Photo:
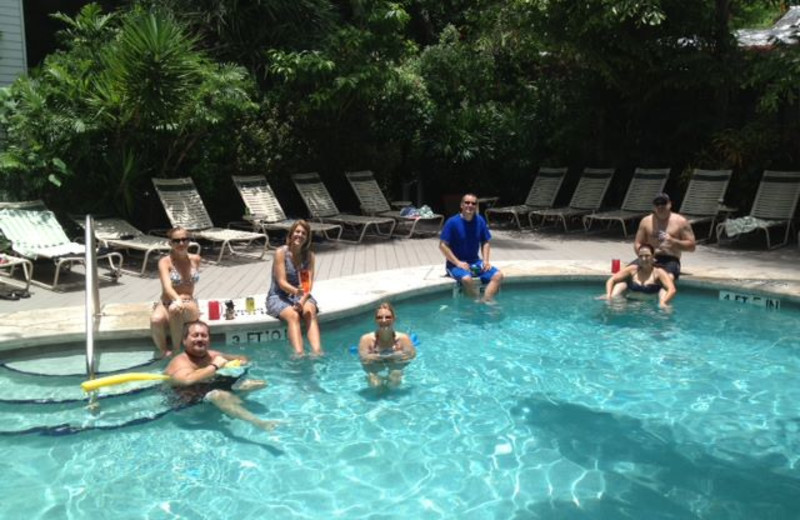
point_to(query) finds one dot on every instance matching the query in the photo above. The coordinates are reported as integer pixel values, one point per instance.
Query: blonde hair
(388, 307)
(175, 230)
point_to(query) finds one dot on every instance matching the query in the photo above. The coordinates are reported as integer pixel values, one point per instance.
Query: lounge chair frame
(542, 195)
(117, 233)
(775, 204)
(11, 263)
(265, 212)
(645, 185)
(704, 196)
(373, 202)
(587, 198)
(35, 233)
(322, 208)
(185, 208)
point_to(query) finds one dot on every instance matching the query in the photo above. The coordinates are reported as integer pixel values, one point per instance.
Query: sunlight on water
(548, 405)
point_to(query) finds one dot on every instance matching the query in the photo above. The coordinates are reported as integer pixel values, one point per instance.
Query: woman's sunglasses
(179, 240)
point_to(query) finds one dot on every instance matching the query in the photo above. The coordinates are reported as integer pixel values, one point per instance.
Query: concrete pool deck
(349, 278)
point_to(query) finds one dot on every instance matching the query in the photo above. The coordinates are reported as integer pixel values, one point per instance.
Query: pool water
(550, 404)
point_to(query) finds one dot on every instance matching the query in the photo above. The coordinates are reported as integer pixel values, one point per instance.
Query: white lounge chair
(185, 208)
(117, 233)
(587, 198)
(36, 233)
(374, 203)
(704, 195)
(542, 195)
(774, 205)
(322, 208)
(265, 212)
(645, 185)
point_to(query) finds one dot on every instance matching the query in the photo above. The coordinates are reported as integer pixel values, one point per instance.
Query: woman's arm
(311, 262)
(365, 349)
(668, 284)
(618, 277)
(407, 351)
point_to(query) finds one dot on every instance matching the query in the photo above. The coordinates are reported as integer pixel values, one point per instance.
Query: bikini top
(650, 288)
(177, 280)
(374, 349)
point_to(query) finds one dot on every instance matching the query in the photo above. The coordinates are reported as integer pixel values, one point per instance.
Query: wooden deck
(241, 276)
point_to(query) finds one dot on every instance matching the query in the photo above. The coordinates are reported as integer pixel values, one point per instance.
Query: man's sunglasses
(469, 203)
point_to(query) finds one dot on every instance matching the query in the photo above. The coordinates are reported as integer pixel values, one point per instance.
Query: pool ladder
(92, 314)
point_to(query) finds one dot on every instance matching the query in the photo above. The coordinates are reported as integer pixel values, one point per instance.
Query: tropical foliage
(466, 94)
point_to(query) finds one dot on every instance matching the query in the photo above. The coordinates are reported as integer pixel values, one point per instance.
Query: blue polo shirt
(465, 237)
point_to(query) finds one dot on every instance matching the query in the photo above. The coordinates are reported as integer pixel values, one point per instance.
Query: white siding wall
(13, 60)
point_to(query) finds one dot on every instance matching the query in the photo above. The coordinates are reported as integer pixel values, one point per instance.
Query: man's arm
(486, 251)
(183, 373)
(451, 257)
(641, 234)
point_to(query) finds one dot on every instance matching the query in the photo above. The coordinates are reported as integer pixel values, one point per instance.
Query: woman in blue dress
(288, 299)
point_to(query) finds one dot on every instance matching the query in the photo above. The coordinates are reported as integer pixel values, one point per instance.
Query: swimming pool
(550, 404)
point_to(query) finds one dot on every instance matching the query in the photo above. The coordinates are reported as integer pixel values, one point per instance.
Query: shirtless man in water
(670, 234)
(194, 376)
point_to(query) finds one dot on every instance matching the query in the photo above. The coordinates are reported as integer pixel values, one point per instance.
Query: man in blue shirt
(464, 240)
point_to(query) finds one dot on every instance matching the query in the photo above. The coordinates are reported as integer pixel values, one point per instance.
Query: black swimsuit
(650, 288)
(183, 396)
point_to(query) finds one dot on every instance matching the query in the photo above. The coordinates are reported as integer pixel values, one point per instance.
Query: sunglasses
(469, 203)
(383, 318)
(645, 257)
(180, 240)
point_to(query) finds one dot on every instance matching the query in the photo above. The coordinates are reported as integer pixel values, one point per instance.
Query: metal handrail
(92, 314)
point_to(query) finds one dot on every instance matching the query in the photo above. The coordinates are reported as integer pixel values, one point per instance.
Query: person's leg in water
(470, 287)
(395, 378)
(312, 328)
(493, 287)
(292, 319)
(159, 323)
(231, 405)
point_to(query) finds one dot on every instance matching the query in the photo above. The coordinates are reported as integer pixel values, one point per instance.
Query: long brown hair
(306, 247)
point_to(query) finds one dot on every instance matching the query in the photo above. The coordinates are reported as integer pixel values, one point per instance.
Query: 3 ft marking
(254, 337)
(750, 299)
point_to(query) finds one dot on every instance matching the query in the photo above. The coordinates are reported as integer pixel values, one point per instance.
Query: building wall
(13, 61)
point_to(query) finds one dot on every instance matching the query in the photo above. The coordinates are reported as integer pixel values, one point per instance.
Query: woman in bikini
(287, 299)
(385, 349)
(642, 279)
(179, 274)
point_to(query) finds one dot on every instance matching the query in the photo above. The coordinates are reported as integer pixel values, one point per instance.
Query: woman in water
(289, 295)
(179, 274)
(642, 279)
(385, 349)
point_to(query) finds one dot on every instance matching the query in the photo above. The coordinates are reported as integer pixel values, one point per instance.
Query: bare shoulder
(178, 363)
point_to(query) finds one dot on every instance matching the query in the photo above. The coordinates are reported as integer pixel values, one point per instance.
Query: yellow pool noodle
(118, 379)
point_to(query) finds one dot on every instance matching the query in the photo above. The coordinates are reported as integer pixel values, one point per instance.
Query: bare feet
(249, 385)
(266, 425)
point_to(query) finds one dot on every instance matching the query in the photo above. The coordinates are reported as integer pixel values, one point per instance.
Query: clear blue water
(548, 405)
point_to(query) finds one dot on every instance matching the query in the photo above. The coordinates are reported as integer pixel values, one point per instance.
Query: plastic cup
(250, 305)
(615, 265)
(213, 310)
(305, 280)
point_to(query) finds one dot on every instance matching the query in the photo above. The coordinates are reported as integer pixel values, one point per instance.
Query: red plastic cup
(615, 265)
(213, 310)
(305, 280)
